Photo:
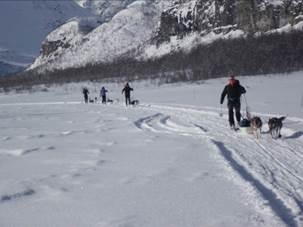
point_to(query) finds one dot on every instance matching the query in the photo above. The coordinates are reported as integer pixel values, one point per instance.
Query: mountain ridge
(203, 19)
(179, 39)
(26, 23)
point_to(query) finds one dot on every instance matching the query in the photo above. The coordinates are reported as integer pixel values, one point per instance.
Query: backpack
(245, 123)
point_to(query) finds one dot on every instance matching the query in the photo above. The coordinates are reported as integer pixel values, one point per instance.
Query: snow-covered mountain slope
(25, 24)
(152, 28)
(126, 30)
(105, 9)
(170, 161)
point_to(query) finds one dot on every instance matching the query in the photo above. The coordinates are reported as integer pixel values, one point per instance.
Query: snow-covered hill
(170, 161)
(78, 33)
(25, 24)
(69, 21)
(153, 28)
(126, 30)
(105, 9)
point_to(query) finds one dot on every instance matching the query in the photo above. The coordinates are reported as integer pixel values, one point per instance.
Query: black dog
(110, 101)
(275, 125)
(94, 100)
(134, 102)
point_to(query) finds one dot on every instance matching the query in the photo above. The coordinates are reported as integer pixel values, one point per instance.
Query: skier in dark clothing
(103, 92)
(233, 91)
(126, 90)
(85, 93)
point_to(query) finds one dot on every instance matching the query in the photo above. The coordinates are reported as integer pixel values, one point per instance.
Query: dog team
(233, 90)
(126, 90)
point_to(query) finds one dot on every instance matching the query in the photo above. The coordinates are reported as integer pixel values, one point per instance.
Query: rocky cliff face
(250, 16)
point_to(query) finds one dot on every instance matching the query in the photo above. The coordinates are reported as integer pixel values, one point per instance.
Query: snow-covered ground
(170, 161)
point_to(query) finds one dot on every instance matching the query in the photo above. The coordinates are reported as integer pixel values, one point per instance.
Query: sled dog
(256, 126)
(134, 102)
(110, 101)
(275, 125)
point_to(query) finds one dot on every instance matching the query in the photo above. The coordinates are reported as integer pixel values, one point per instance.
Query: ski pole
(245, 100)
(221, 111)
(248, 115)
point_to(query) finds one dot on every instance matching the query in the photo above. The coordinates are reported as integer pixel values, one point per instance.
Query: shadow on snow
(274, 202)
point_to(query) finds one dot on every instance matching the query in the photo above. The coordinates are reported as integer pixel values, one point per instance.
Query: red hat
(232, 81)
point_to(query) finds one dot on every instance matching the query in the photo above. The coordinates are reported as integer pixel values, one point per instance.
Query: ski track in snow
(266, 163)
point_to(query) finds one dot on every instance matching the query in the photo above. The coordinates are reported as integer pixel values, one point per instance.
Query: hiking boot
(238, 125)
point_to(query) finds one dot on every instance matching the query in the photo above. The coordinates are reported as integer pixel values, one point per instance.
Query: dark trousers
(86, 98)
(127, 100)
(103, 99)
(231, 108)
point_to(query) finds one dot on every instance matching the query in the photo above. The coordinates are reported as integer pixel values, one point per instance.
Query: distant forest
(273, 53)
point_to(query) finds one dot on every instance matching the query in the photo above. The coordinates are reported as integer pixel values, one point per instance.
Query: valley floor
(170, 161)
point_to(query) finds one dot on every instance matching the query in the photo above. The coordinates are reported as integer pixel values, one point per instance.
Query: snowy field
(171, 161)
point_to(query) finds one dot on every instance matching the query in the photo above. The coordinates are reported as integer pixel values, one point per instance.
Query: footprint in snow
(39, 136)
(5, 138)
(48, 148)
(106, 144)
(27, 151)
(199, 176)
(100, 162)
(18, 152)
(66, 133)
(127, 180)
(122, 118)
(18, 195)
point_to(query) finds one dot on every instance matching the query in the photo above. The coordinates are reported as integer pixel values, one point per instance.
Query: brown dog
(275, 125)
(256, 126)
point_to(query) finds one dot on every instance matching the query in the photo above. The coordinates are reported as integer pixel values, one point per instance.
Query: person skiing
(233, 90)
(103, 92)
(85, 94)
(126, 90)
